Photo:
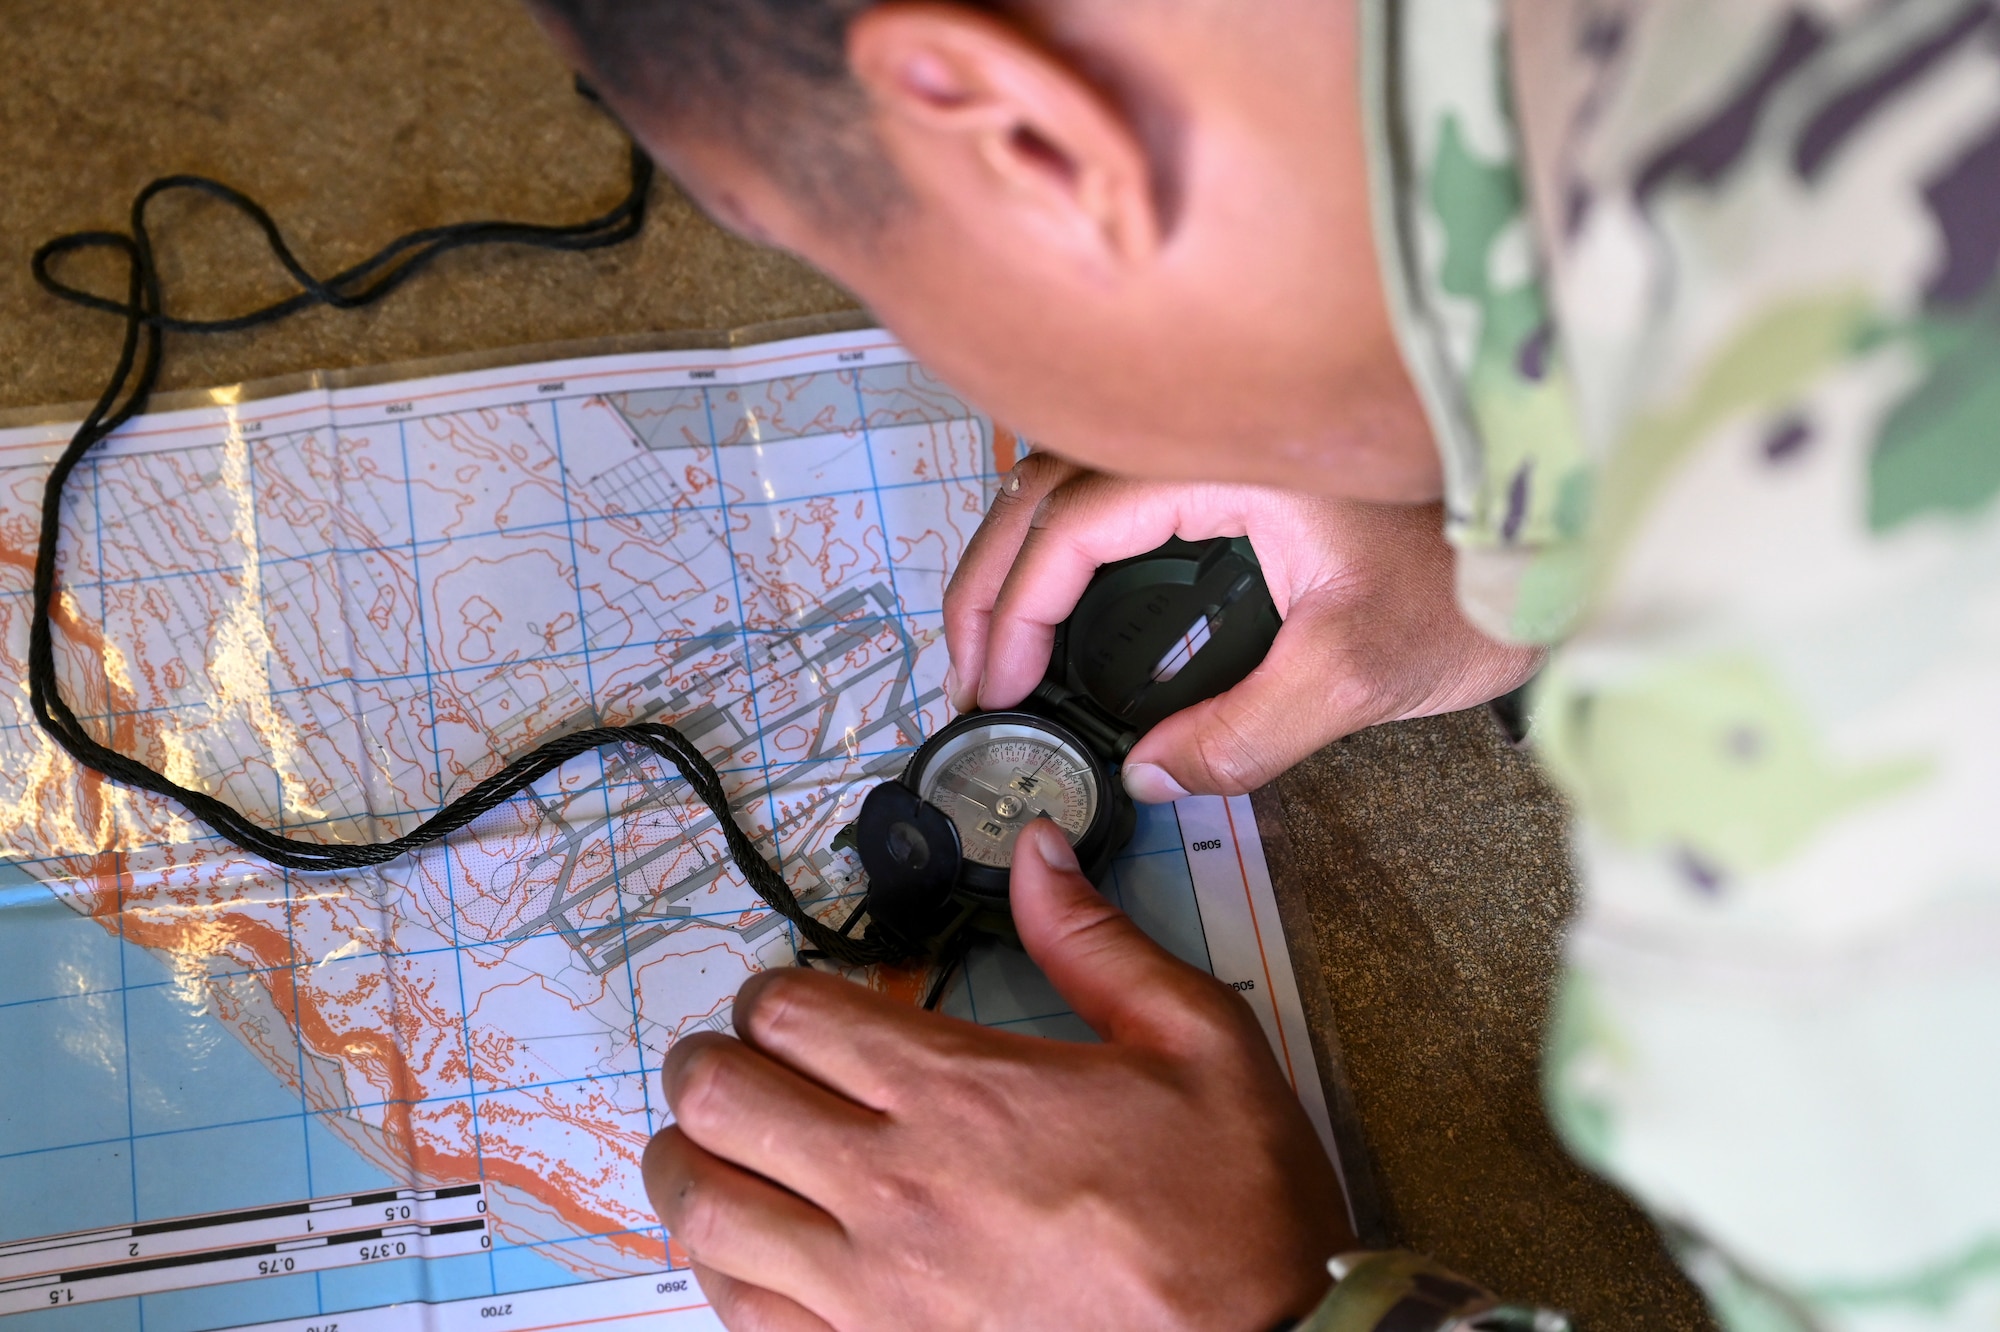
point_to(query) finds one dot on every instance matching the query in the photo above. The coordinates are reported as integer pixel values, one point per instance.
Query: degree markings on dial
(1000, 782)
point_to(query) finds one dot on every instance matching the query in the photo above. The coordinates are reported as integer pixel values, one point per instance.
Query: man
(1663, 335)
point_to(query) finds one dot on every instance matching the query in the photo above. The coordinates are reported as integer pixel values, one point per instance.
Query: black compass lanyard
(125, 396)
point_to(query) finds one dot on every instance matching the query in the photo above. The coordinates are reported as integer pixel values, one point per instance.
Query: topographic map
(417, 1096)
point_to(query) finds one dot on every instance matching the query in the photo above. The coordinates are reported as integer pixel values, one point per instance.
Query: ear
(972, 110)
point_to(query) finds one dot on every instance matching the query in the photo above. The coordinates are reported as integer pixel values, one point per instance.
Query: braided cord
(125, 396)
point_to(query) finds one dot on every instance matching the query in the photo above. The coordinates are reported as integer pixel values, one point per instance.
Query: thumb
(1128, 988)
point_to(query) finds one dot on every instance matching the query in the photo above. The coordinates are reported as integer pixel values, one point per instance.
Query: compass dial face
(997, 777)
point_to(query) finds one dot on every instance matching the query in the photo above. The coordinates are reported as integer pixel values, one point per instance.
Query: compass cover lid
(1165, 630)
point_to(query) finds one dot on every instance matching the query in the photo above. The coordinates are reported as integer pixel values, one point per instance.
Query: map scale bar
(310, 1235)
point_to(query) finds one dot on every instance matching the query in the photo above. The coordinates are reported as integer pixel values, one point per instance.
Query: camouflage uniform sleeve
(1465, 285)
(1731, 434)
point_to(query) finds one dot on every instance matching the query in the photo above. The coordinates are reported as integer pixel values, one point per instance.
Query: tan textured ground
(1422, 866)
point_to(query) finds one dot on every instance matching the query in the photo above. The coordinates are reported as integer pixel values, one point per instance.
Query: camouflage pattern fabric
(1711, 343)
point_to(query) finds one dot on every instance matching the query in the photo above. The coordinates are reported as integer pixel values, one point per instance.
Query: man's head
(1137, 230)
(769, 76)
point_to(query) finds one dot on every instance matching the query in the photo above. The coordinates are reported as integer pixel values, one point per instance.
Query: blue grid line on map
(541, 659)
(291, 939)
(431, 545)
(573, 1278)
(718, 915)
(286, 1118)
(888, 558)
(1179, 842)
(277, 776)
(528, 826)
(608, 788)
(124, 994)
(1029, 1018)
(603, 773)
(431, 675)
(756, 713)
(393, 955)
(642, 1074)
(411, 677)
(423, 811)
(556, 658)
(963, 414)
(401, 421)
(451, 892)
(561, 1240)
(726, 770)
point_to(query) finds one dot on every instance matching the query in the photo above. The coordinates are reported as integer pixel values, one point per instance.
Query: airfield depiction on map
(418, 1095)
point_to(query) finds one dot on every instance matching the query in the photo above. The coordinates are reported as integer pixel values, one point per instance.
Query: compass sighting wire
(125, 396)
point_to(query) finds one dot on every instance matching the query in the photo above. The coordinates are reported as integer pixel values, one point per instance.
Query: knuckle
(770, 1001)
(664, 1171)
(1356, 697)
(726, 1298)
(1217, 1020)
(1075, 496)
(914, 1202)
(700, 1080)
(958, 595)
(701, 1220)
(968, 602)
(1091, 928)
(994, 1098)
(738, 1309)
(662, 1157)
(1225, 753)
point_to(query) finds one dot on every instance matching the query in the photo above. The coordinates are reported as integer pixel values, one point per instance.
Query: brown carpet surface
(1424, 876)
(1421, 866)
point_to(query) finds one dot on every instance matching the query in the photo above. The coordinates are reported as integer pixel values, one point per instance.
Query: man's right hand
(1372, 630)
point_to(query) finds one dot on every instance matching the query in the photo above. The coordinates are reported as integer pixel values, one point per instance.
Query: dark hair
(772, 73)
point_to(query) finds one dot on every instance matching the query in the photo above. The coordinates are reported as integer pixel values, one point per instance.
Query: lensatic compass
(1150, 636)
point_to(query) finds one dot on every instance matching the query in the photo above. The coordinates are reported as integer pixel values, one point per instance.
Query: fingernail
(1149, 784)
(1051, 847)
